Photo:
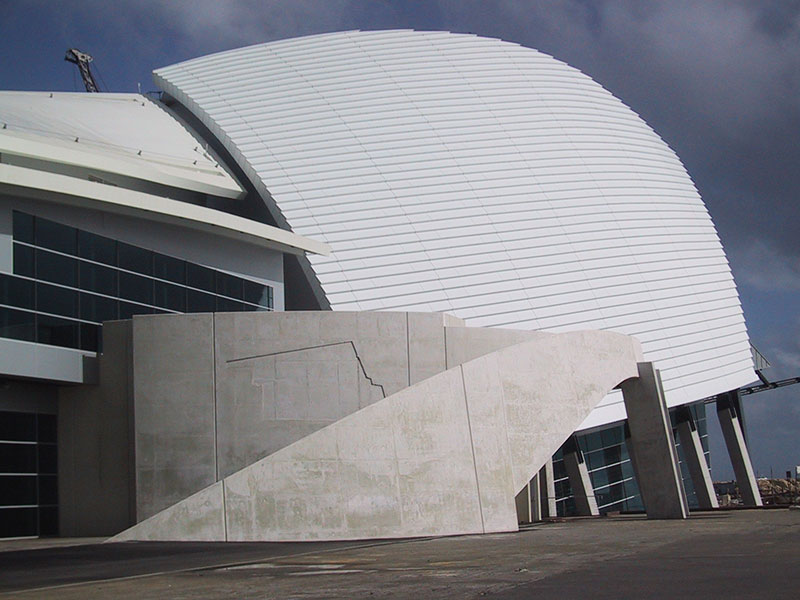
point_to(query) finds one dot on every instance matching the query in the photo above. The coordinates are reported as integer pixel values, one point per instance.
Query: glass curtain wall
(66, 282)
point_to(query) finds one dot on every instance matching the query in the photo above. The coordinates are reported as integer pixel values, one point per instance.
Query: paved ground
(740, 554)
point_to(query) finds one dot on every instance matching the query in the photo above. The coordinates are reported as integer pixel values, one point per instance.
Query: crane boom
(82, 59)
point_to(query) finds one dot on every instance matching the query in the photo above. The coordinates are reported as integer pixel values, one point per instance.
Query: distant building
(398, 171)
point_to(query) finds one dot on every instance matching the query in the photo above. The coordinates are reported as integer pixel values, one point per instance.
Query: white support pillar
(651, 446)
(547, 491)
(579, 481)
(696, 460)
(729, 410)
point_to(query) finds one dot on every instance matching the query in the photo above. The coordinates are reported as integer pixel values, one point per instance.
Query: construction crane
(82, 59)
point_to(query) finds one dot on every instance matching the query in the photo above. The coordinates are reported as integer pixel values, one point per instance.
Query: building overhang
(65, 190)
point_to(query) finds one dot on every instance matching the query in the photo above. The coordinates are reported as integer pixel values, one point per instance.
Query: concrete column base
(729, 412)
(696, 460)
(579, 480)
(651, 446)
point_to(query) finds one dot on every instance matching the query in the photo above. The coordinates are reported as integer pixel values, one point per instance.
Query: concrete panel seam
(408, 350)
(350, 342)
(224, 512)
(214, 393)
(472, 448)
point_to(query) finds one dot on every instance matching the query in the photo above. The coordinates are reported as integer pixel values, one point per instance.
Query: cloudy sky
(718, 80)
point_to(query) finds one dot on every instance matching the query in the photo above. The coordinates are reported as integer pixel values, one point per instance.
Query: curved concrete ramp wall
(443, 456)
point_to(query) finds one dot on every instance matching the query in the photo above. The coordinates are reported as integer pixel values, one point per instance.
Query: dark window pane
(24, 261)
(47, 459)
(48, 520)
(200, 277)
(256, 293)
(17, 325)
(98, 308)
(171, 269)
(127, 310)
(225, 305)
(133, 258)
(16, 291)
(136, 288)
(23, 227)
(56, 332)
(17, 522)
(97, 248)
(90, 337)
(228, 285)
(170, 296)
(56, 236)
(98, 279)
(48, 489)
(200, 302)
(46, 428)
(17, 489)
(56, 300)
(56, 268)
(18, 427)
(17, 458)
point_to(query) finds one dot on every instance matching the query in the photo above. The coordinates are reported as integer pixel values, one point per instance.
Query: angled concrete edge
(444, 456)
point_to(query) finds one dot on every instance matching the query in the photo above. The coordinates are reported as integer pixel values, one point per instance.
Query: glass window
(48, 489)
(56, 268)
(48, 520)
(199, 277)
(98, 308)
(17, 427)
(228, 285)
(23, 227)
(17, 325)
(24, 263)
(127, 310)
(97, 248)
(225, 305)
(56, 300)
(18, 489)
(46, 428)
(171, 269)
(56, 236)
(47, 458)
(98, 279)
(257, 293)
(57, 332)
(134, 258)
(17, 458)
(172, 297)
(16, 522)
(90, 337)
(136, 288)
(198, 302)
(16, 291)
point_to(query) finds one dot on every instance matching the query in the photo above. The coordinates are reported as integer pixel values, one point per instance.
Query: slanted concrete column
(729, 410)
(696, 459)
(525, 502)
(547, 491)
(651, 446)
(579, 481)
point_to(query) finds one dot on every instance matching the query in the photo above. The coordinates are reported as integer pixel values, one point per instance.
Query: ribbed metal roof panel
(456, 173)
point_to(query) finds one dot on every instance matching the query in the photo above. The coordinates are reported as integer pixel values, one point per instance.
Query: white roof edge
(79, 192)
(199, 180)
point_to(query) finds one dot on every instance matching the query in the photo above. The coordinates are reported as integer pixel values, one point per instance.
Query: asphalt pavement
(733, 554)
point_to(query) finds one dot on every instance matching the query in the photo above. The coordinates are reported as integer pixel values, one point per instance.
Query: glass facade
(66, 282)
(28, 475)
(611, 471)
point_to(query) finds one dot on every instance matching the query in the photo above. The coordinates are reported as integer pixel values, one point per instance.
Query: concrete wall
(443, 456)
(214, 393)
(95, 445)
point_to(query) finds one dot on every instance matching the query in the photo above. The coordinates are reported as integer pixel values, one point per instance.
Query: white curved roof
(456, 173)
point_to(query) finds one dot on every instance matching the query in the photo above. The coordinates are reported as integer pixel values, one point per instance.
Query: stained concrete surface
(736, 554)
